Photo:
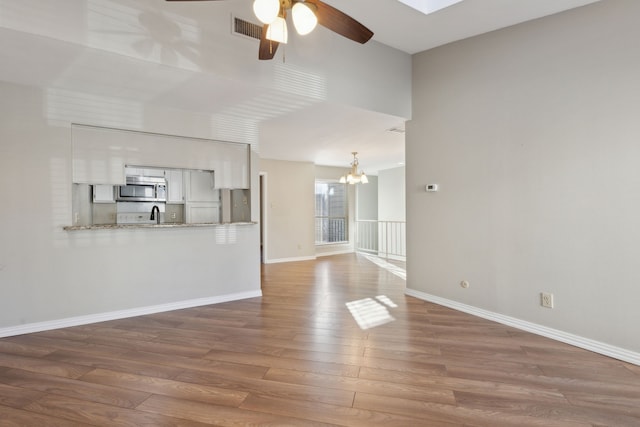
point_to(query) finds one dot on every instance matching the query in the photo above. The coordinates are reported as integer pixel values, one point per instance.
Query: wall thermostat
(431, 187)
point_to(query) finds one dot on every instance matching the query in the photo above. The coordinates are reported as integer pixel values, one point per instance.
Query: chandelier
(353, 177)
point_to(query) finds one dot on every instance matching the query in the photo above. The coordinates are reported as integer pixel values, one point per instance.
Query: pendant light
(353, 177)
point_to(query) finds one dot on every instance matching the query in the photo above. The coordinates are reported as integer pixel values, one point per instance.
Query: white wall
(367, 199)
(290, 210)
(533, 134)
(391, 194)
(49, 274)
(392, 234)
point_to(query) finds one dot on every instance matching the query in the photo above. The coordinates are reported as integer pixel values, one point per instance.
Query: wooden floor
(296, 356)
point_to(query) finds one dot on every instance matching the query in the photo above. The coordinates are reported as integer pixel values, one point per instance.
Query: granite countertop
(139, 226)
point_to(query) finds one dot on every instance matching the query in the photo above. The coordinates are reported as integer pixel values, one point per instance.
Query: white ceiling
(41, 44)
(398, 25)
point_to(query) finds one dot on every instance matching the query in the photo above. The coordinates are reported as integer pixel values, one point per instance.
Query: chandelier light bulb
(266, 10)
(303, 18)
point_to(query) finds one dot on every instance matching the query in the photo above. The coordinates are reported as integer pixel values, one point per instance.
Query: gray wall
(533, 134)
(289, 210)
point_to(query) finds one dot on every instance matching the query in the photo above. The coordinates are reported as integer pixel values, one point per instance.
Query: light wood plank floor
(296, 356)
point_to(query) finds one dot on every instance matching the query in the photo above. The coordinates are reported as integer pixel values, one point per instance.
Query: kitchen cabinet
(202, 213)
(157, 172)
(131, 171)
(202, 199)
(99, 156)
(96, 156)
(103, 194)
(139, 171)
(201, 186)
(175, 185)
(232, 166)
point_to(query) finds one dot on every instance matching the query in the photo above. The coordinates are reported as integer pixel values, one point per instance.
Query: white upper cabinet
(233, 166)
(159, 173)
(103, 194)
(100, 156)
(202, 187)
(175, 186)
(131, 171)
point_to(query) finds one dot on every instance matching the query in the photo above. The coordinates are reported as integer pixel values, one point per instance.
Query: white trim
(279, 260)
(565, 337)
(324, 244)
(262, 185)
(342, 252)
(400, 258)
(121, 314)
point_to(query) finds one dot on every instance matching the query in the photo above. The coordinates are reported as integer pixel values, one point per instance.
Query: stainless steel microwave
(143, 189)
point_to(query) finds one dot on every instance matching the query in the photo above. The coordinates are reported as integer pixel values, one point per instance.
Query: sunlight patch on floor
(392, 268)
(386, 301)
(369, 313)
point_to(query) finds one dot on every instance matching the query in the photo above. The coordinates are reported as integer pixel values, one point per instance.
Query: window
(331, 212)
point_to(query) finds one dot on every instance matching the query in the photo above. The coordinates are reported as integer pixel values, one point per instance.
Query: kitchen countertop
(138, 226)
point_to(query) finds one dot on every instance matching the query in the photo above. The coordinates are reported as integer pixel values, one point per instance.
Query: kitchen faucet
(155, 210)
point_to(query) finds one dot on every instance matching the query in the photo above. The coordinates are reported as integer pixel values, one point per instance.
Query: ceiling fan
(305, 15)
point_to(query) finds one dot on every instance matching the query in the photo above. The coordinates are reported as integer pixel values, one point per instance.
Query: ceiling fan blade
(341, 23)
(267, 48)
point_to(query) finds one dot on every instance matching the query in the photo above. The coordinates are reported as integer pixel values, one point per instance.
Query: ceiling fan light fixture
(266, 10)
(304, 18)
(277, 31)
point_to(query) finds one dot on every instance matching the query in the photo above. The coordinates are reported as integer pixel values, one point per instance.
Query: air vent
(396, 130)
(246, 28)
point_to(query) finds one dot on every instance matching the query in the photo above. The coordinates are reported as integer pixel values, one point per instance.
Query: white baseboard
(342, 252)
(279, 260)
(121, 314)
(393, 257)
(575, 340)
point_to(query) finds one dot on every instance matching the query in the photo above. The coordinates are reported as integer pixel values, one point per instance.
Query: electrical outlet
(546, 299)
